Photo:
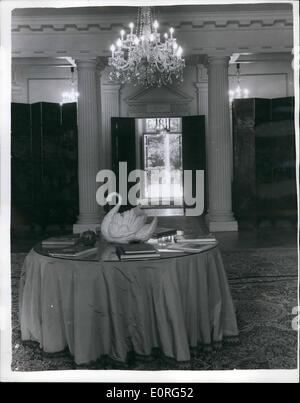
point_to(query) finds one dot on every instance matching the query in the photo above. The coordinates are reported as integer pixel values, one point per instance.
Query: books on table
(137, 251)
(73, 251)
(163, 232)
(62, 241)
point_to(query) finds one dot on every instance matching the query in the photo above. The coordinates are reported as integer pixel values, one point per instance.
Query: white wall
(46, 83)
(272, 79)
(39, 83)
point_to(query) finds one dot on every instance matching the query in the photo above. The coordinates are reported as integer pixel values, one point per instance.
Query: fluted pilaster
(202, 104)
(219, 147)
(110, 108)
(202, 98)
(88, 145)
(202, 90)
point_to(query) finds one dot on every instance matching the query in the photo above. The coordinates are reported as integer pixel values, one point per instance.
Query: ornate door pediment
(158, 102)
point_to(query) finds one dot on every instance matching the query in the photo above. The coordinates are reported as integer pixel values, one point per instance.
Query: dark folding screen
(69, 149)
(264, 160)
(193, 149)
(46, 133)
(21, 162)
(123, 145)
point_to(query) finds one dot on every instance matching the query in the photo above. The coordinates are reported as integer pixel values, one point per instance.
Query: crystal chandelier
(238, 92)
(73, 94)
(143, 58)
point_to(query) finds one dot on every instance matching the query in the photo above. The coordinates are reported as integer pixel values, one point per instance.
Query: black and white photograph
(149, 192)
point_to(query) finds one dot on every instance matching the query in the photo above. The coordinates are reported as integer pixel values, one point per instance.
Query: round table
(102, 306)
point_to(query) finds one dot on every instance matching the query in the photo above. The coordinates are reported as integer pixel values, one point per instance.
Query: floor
(261, 265)
(258, 238)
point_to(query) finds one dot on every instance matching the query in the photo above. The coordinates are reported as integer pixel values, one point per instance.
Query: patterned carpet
(263, 283)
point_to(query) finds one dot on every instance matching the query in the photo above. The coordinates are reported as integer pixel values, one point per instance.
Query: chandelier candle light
(143, 58)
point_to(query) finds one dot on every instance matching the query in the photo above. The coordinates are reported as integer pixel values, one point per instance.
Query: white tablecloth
(110, 308)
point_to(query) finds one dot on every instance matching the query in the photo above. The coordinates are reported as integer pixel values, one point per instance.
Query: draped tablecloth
(97, 308)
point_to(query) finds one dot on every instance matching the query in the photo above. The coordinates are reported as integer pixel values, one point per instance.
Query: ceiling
(160, 10)
(231, 29)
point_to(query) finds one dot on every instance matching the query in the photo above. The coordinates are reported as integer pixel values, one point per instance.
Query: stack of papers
(201, 239)
(190, 247)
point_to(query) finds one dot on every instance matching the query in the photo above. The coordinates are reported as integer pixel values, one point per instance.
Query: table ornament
(88, 238)
(129, 226)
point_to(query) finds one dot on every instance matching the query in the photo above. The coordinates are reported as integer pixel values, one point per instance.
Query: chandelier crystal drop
(71, 95)
(238, 92)
(144, 58)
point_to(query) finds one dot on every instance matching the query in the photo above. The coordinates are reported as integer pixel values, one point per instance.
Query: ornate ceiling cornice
(199, 33)
(184, 21)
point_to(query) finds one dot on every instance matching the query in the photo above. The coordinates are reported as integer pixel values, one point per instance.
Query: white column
(110, 108)
(219, 147)
(88, 146)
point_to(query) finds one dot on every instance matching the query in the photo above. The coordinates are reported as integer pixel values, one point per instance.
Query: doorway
(162, 162)
(166, 149)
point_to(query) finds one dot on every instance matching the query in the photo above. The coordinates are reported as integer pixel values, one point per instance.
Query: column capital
(218, 59)
(87, 64)
(102, 63)
(111, 87)
(195, 59)
(201, 86)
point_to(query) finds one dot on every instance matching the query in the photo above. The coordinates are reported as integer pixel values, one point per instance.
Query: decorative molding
(262, 57)
(43, 62)
(201, 32)
(158, 102)
(180, 20)
(195, 60)
(143, 96)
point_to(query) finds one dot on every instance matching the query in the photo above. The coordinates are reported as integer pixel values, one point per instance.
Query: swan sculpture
(126, 227)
